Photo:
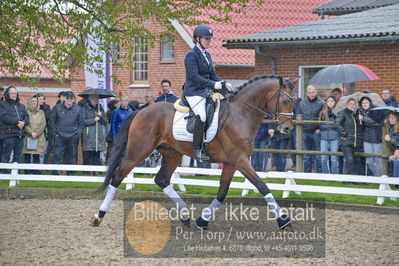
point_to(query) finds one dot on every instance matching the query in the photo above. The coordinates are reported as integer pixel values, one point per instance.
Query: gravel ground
(56, 232)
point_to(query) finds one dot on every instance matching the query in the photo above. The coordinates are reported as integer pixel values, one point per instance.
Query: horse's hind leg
(133, 158)
(170, 160)
(225, 180)
(283, 221)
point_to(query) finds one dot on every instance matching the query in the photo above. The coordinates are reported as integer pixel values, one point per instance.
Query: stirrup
(202, 156)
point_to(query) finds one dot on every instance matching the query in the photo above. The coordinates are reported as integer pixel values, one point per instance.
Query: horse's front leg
(225, 180)
(283, 221)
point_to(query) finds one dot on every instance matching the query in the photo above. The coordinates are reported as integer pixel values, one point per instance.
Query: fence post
(14, 175)
(130, 186)
(182, 188)
(299, 143)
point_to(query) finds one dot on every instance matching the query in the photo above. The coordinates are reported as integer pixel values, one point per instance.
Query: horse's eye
(286, 102)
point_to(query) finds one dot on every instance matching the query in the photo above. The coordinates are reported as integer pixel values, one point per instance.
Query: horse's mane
(240, 88)
(280, 78)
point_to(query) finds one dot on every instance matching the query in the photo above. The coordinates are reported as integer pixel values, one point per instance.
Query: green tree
(51, 34)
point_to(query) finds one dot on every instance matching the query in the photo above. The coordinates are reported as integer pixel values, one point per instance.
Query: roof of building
(339, 7)
(271, 15)
(378, 24)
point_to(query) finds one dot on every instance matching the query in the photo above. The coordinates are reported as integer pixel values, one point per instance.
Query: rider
(200, 79)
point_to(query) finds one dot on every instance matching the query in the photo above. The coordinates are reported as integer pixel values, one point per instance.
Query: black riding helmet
(202, 31)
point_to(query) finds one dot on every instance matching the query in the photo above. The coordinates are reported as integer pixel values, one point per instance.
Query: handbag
(31, 144)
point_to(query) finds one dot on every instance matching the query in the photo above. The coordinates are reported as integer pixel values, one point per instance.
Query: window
(141, 59)
(167, 49)
(323, 90)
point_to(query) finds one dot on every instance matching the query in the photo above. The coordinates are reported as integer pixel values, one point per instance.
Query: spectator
(149, 99)
(1, 139)
(35, 130)
(94, 130)
(310, 108)
(61, 97)
(261, 141)
(167, 95)
(350, 138)
(134, 105)
(66, 124)
(119, 115)
(391, 141)
(388, 98)
(329, 137)
(337, 94)
(50, 141)
(43, 105)
(112, 105)
(371, 125)
(1, 94)
(279, 141)
(13, 119)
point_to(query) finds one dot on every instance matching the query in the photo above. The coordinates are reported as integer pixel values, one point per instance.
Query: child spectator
(329, 137)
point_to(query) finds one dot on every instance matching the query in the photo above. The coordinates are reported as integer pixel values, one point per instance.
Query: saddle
(212, 105)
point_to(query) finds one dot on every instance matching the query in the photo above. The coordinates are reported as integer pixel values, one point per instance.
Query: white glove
(229, 86)
(218, 85)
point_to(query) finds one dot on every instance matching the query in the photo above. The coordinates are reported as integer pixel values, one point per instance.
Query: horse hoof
(186, 222)
(201, 224)
(284, 222)
(95, 221)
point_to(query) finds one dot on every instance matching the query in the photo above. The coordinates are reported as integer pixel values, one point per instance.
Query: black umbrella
(102, 93)
(343, 73)
(386, 108)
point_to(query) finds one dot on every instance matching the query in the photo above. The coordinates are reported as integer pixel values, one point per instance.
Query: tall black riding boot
(197, 140)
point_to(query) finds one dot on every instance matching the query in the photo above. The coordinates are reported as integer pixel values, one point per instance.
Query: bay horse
(240, 115)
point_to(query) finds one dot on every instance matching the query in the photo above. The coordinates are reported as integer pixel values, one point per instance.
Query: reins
(267, 112)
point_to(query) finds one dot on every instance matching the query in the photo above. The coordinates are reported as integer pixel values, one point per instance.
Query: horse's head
(282, 104)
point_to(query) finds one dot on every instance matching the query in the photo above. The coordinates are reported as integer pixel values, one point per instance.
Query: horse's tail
(116, 151)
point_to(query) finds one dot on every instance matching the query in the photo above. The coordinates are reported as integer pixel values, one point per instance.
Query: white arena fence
(384, 190)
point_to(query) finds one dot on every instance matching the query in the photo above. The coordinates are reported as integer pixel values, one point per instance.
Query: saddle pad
(180, 132)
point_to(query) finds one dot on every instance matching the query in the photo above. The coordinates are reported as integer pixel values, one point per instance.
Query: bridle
(269, 114)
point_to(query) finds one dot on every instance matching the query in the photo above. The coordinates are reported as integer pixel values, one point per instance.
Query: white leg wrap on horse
(172, 194)
(108, 198)
(210, 210)
(271, 202)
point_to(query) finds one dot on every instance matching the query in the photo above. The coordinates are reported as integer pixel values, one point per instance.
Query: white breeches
(197, 103)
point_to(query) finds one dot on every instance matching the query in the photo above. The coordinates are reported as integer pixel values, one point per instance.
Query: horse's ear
(296, 80)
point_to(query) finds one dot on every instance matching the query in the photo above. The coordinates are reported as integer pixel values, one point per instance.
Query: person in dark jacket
(201, 78)
(350, 137)
(66, 125)
(119, 115)
(149, 99)
(94, 130)
(134, 105)
(310, 109)
(329, 137)
(371, 124)
(13, 119)
(261, 141)
(388, 99)
(167, 95)
(112, 105)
